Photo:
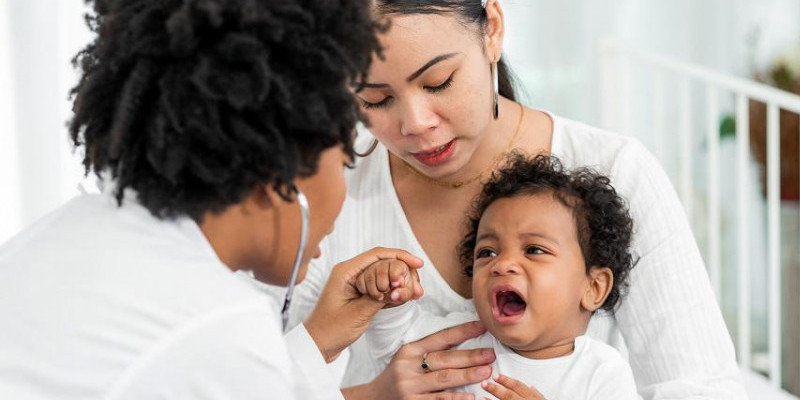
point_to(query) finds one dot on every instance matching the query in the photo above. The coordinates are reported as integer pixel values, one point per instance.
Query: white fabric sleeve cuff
(388, 330)
(315, 376)
(395, 316)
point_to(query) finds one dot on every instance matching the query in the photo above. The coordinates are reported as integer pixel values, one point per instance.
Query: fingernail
(396, 296)
(484, 371)
(484, 384)
(487, 354)
(495, 377)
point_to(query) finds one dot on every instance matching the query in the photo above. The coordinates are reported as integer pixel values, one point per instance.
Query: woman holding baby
(442, 109)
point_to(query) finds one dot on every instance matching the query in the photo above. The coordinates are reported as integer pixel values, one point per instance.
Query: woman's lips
(437, 156)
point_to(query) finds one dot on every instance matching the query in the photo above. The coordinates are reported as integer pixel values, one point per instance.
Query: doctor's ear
(601, 280)
(495, 30)
(264, 196)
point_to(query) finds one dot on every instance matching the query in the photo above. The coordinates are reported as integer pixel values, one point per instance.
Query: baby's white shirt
(594, 370)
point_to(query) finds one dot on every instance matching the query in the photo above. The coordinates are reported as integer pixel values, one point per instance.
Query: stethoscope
(304, 211)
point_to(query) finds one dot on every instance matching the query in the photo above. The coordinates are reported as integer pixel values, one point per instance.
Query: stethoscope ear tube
(301, 199)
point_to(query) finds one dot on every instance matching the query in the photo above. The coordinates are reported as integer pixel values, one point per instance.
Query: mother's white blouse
(669, 325)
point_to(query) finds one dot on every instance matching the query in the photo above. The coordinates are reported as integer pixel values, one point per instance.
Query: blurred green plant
(727, 127)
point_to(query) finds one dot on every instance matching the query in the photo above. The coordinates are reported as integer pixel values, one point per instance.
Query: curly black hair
(602, 219)
(193, 103)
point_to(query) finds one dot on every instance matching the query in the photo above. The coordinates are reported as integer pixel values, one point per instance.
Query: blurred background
(710, 86)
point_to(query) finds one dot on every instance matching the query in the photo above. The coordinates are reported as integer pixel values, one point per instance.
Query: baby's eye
(483, 253)
(534, 250)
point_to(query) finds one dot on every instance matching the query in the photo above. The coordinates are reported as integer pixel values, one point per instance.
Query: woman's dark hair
(468, 12)
(603, 223)
(194, 103)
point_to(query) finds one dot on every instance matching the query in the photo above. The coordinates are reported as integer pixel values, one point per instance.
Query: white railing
(617, 66)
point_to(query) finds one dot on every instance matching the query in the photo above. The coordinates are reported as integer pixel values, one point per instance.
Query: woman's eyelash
(435, 89)
(443, 86)
(380, 104)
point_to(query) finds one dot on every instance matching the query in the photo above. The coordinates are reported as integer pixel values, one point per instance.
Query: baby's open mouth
(508, 303)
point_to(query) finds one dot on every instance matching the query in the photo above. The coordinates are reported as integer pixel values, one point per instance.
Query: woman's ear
(495, 30)
(601, 280)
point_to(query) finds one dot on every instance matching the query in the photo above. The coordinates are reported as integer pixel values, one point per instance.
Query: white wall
(10, 219)
(37, 40)
(552, 45)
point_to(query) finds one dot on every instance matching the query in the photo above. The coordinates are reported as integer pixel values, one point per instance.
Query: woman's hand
(342, 314)
(405, 379)
(507, 388)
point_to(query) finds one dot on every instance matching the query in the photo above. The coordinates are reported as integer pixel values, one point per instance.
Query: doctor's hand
(404, 378)
(343, 313)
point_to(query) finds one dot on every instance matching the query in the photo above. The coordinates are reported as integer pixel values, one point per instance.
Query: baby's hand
(510, 389)
(390, 281)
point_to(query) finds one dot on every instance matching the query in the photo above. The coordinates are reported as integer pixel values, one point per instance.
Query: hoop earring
(496, 88)
(370, 150)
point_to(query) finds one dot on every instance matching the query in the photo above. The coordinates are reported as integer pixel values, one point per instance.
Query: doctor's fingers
(381, 253)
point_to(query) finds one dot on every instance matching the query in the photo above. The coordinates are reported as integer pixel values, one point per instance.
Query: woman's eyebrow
(429, 64)
(372, 86)
(415, 75)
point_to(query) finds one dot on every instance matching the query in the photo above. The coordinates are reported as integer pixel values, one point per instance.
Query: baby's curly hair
(602, 219)
(193, 103)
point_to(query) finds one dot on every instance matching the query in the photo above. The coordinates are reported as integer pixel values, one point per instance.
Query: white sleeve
(613, 380)
(394, 327)
(679, 347)
(236, 355)
(313, 379)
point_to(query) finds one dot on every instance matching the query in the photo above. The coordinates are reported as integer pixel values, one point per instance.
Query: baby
(546, 249)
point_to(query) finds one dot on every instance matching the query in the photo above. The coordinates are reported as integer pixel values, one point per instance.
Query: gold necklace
(455, 185)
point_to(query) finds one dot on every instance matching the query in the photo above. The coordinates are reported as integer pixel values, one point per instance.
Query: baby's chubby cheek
(483, 306)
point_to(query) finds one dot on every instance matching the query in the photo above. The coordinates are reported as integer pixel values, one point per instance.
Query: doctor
(221, 129)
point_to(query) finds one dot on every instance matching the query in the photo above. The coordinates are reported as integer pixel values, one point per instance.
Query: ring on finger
(425, 366)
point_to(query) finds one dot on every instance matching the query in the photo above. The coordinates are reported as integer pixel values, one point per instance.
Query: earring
(369, 151)
(496, 88)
